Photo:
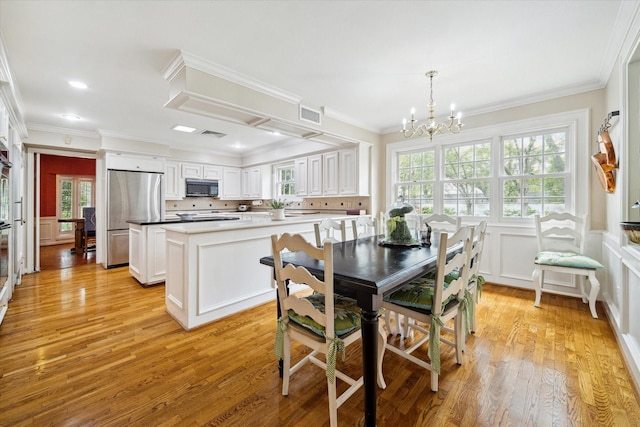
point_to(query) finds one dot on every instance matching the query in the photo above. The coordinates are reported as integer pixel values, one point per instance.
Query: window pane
(483, 169)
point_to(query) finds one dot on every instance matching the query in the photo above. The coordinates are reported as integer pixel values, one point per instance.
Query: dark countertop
(178, 220)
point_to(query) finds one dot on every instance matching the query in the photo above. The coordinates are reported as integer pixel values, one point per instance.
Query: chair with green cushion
(434, 302)
(323, 321)
(476, 281)
(561, 250)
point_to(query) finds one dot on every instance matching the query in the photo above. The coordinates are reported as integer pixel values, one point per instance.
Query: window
(73, 193)
(416, 179)
(507, 172)
(466, 183)
(534, 174)
(285, 181)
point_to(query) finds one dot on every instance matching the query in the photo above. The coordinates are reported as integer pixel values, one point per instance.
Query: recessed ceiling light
(184, 128)
(71, 117)
(78, 85)
(237, 146)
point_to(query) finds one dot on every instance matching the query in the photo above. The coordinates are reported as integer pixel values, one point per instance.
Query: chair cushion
(418, 294)
(566, 259)
(346, 315)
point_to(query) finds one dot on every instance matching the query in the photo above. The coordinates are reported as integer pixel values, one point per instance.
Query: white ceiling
(365, 60)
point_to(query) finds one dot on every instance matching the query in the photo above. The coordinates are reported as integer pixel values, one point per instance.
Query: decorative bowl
(187, 216)
(632, 230)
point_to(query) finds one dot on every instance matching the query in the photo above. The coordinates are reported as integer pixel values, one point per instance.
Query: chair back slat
(445, 266)
(563, 232)
(441, 222)
(300, 275)
(364, 226)
(326, 230)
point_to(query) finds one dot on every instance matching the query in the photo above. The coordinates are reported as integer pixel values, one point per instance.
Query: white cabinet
(211, 172)
(191, 170)
(131, 162)
(256, 182)
(174, 183)
(348, 171)
(231, 183)
(314, 175)
(147, 253)
(330, 174)
(4, 124)
(301, 176)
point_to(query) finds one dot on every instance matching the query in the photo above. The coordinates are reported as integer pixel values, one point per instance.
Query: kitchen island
(213, 268)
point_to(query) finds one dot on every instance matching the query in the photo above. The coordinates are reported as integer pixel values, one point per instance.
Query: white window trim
(60, 234)
(578, 147)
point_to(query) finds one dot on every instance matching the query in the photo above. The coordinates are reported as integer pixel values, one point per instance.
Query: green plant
(279, 204)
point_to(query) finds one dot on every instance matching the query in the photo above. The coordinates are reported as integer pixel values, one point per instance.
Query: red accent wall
(50, 166)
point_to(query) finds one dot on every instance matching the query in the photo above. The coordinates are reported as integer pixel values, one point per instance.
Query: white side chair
(323, 321)
(364, 226)
(434, 302)
(561, 249)
(441, 222)
(475, 280)
(327, 229)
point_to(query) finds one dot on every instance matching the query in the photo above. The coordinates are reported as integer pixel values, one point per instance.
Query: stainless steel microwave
(201, 188)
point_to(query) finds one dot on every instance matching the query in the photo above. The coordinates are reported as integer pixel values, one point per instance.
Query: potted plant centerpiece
(278, 207)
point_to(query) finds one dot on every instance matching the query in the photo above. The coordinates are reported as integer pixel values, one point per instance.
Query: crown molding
(63, 131)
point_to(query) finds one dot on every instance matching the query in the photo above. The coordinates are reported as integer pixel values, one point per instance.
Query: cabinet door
(231, 183)
(174, 185)
(314, 183)
(348, 171)
(212, 172)
(301, 173)
(192, 170)
(330, 172)
(246, 183)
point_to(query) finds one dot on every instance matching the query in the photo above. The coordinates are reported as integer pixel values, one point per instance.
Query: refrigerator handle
(21, 219)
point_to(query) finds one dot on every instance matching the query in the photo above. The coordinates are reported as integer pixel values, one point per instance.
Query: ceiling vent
(309, 115)
(213, 133)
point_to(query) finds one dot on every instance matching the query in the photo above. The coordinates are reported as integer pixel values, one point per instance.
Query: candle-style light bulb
(459, 117)
(413, 113)
(404, 123)
(453, 107)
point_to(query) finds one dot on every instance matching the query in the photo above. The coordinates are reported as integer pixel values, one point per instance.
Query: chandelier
(454, 125)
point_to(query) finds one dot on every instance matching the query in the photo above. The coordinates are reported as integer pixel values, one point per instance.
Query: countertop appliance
(131, 196)
(201, 188)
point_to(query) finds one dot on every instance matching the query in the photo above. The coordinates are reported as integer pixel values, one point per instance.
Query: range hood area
(201, 87)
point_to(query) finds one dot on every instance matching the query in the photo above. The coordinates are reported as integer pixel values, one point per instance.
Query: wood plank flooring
(91, 347)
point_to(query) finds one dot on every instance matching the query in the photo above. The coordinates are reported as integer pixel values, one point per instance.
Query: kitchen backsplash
(320, 204)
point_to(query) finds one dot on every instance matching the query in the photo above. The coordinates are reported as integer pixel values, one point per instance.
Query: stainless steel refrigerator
(131, 196)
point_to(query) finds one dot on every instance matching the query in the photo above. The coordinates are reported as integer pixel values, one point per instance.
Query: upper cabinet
(256, 182)
(174, 183)
(211, 172)
(131, 162)
(4, 125)
(301, 176)
(336, 173)
(231, 183)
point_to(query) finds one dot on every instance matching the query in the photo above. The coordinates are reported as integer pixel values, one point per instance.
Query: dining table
(79, 227)
(366, 270)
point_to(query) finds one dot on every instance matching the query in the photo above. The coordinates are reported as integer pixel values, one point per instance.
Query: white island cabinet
(147, 253)
(214, 270)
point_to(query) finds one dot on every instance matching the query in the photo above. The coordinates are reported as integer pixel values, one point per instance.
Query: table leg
(369, 363)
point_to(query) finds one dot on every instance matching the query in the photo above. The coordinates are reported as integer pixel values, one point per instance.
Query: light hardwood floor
(91, 347)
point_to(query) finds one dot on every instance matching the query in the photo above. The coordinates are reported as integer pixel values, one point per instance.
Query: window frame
(577, 147)
(76, 180)
(277, 183)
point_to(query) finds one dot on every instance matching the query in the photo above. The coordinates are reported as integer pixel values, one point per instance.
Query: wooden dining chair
(442, 222)
(327, 229)
(89, 229)
(438, 223)
(323, 321)
(474, 286)
(561, 250)
(434, 302)
(364, 226)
